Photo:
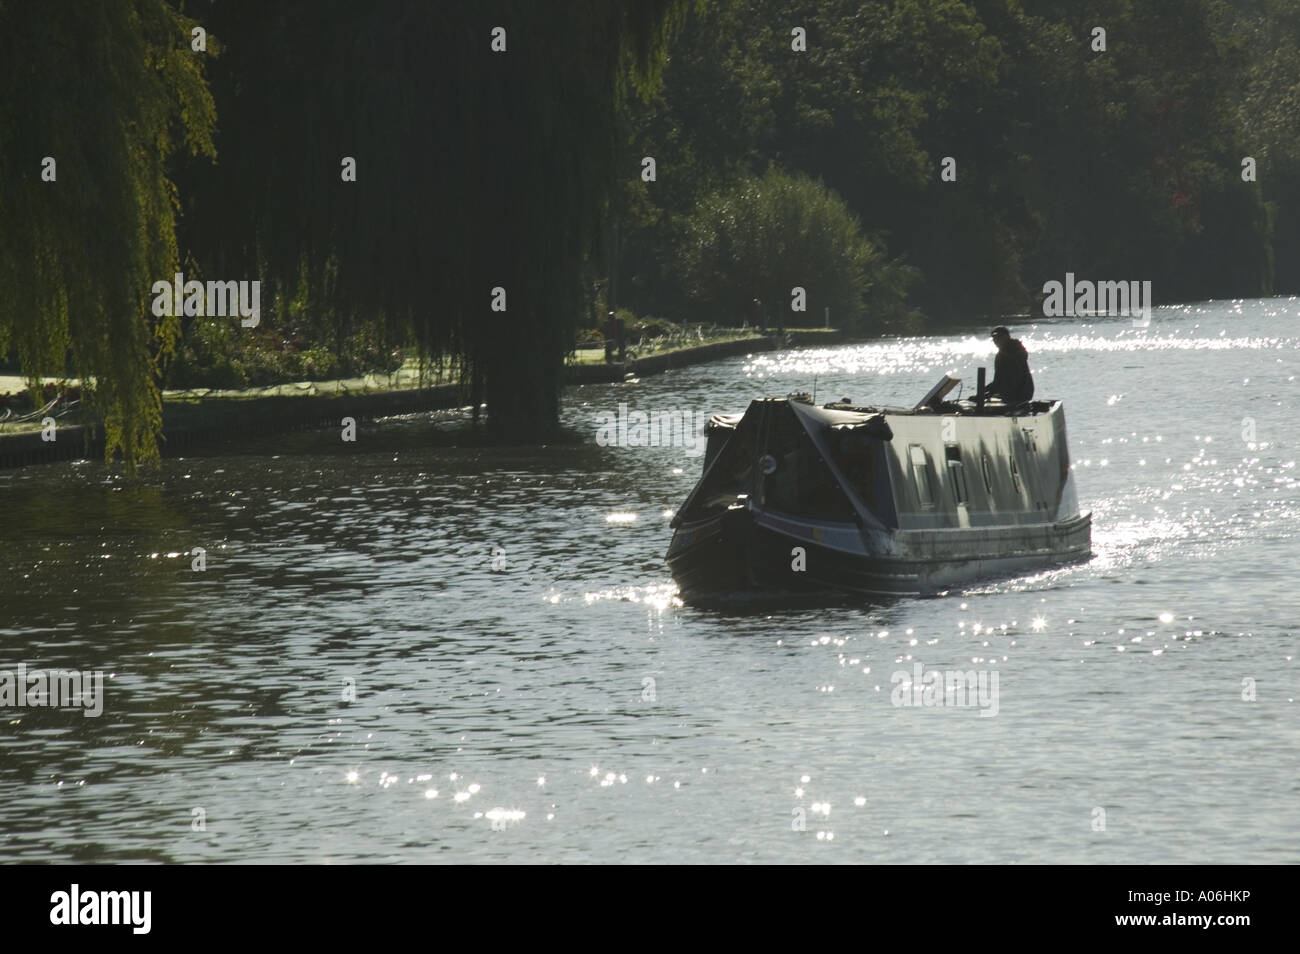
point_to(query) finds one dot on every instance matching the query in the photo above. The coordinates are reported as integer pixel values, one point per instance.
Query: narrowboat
(877, 501)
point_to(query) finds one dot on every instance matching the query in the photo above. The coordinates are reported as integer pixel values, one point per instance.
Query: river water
(402, 650)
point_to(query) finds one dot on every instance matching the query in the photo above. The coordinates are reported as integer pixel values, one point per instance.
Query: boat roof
(966, 407)
(847, 414)
(934, 402)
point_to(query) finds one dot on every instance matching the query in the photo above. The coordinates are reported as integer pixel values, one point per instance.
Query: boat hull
(739, 555)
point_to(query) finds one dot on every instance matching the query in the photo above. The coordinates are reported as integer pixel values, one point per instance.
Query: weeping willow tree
(95, 99)
(483, 141)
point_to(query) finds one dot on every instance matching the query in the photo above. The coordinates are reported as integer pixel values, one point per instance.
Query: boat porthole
(767, 464)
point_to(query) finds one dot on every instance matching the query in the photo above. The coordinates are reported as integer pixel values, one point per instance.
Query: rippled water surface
(528, 688)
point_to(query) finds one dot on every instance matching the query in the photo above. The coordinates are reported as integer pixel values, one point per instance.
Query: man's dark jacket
(1011, 378)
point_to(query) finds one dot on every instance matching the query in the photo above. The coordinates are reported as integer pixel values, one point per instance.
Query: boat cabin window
(957, 472)
(987, 466)
(921, 475)
(800, 484)
(853, 454)
(1015, 471)
(861, 459)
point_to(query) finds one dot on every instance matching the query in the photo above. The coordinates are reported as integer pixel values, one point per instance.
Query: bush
(764, 235)
(219, 353)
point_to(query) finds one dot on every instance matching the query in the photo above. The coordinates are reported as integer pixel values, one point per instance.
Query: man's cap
(1000, 330)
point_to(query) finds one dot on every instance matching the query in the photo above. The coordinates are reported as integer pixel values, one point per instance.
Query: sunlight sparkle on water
(657, 596)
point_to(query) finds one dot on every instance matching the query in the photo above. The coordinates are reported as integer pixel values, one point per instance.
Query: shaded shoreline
(189, 424)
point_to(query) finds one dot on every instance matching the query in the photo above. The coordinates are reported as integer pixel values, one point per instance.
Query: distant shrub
(763, 236)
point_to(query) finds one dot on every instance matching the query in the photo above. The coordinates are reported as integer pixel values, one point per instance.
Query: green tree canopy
(1122, 162)
(108, 91)
(484, 160)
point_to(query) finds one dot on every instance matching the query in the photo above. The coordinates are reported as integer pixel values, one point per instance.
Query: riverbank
(586, 370)
(201, 418)
(189, 424)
